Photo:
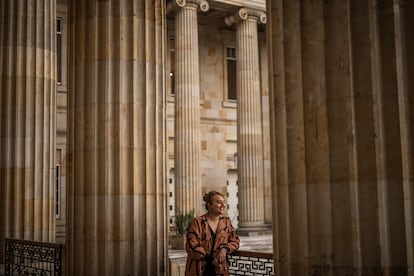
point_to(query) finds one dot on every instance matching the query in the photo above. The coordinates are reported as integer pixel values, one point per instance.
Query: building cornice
(253, 4)
(202, 5)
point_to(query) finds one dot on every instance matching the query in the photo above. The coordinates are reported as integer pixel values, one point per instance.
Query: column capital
(244, 14)
(202, 5)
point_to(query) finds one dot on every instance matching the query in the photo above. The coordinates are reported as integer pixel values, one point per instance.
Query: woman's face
(217, 205)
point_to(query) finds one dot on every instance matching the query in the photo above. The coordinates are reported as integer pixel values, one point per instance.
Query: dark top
(209, 268)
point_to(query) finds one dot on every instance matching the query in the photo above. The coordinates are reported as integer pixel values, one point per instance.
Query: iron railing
(23, 257)
(251, 263)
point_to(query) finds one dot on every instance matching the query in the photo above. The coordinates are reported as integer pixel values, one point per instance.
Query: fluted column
(342, 124)
(187, 105)
(116, 222)
(249, 124)
(27, 124)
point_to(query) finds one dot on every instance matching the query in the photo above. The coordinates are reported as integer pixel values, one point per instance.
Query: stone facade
(218, 113)
(336, 152)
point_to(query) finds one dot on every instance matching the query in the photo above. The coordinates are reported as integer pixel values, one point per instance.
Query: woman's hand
(221, 257)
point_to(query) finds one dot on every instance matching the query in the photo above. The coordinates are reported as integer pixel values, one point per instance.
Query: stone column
(116, 222)
(187, 105)
(342, 113)
(27, 123)
(249, 127)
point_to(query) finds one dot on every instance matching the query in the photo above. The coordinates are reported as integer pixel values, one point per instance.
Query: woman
(210, 238)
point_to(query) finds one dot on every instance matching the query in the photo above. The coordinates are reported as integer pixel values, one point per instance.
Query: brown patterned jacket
(199, 243)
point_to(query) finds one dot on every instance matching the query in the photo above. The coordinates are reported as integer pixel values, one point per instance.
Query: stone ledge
(260, 230)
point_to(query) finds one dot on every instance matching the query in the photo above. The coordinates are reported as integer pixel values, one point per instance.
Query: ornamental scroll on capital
(201, 4)
(244, 14)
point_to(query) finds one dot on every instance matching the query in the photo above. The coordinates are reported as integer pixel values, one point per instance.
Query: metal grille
(32, 258)
(251, 263)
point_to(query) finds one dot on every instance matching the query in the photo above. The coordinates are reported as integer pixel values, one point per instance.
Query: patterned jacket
(199, 243)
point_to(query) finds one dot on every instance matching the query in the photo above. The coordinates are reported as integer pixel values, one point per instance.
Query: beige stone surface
(250, 131)
(218, 116)
(27, 122)
(342, 205)
(115, 214)
(338, 97)
(187, 110)
(257, 4)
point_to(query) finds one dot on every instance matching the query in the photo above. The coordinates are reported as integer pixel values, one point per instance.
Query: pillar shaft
(250, 147)
(116, 226)
(342, 120)
(27, 126)
(187, 114)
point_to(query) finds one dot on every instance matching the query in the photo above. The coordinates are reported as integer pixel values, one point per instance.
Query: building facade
(217, 96)
(301, 112)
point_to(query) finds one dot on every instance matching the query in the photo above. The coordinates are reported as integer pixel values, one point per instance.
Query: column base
(255, 230)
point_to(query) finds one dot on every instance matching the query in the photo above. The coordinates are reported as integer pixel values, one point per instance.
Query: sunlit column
(187, 105)
(249, 116)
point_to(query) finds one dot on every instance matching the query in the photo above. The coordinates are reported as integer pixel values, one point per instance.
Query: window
(58, 192)
(59, 50)
(231, 73)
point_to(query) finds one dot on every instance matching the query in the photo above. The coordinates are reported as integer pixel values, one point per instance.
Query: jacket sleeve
(233, 241)
(193, 245)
